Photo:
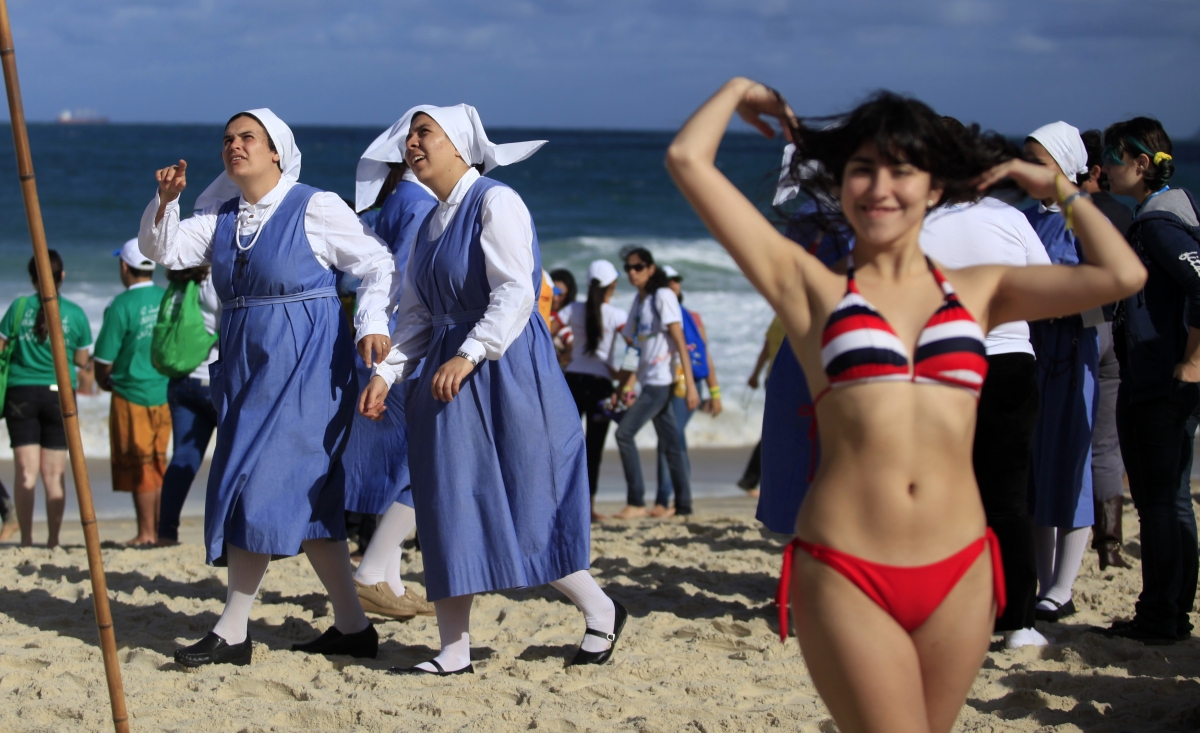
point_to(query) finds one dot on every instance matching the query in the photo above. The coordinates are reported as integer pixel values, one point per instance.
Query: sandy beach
(700, 652)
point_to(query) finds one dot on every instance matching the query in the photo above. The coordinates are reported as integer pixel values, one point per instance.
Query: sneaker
(380, 599)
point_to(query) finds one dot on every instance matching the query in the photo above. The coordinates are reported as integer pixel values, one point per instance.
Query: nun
(376, 457)
(496, 450)
(284, 385)
(1068, 358)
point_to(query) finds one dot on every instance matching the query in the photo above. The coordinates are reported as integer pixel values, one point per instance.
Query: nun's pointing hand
(449, 378)
(171, 181)
(370, 402)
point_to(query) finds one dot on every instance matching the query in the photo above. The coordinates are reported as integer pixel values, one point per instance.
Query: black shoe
(1139, 631)
(212, 649)
(469, 669)
(583, 657)
(363, 644)
(1060, 611)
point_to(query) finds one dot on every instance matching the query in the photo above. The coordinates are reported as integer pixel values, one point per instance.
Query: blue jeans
(665, 486)
(1156, 443)
(193, 419)
(653, 404)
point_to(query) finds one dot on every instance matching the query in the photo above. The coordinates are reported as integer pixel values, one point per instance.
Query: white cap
(672, 273)
(603, 272)
(132, 256)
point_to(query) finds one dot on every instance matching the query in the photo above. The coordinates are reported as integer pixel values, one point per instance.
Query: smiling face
(247, 151)
(883, 200)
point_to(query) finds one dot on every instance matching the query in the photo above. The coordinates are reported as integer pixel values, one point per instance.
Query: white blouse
(336, 236)
(507, 243)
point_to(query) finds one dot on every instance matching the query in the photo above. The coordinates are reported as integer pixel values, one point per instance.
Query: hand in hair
(758, 100)
(1039, 181)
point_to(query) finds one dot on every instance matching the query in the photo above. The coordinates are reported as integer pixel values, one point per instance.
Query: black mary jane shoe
(584, 657)
(469, 669)
(212, 649)
(360, 645)
(1060, 610)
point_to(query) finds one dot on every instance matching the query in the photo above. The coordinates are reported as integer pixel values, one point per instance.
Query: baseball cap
(602, 271)
(132, 256)
(672, 273)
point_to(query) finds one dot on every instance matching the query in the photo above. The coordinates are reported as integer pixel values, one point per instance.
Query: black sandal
(584, 657)
(469, 669)
(1061, 610)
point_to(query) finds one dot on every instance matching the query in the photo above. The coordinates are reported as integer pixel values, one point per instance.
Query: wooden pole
(66, 394)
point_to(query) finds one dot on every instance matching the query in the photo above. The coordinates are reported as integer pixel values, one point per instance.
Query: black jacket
(1151, 327)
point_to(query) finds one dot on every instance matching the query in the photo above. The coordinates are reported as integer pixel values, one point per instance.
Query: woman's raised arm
(773, 264)
(1110, 271)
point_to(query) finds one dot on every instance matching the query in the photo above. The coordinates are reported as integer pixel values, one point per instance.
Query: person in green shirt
(139, 420)
(31, 407)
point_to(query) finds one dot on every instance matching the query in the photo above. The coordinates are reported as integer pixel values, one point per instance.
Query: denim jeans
(665, 486)
(193, 419)
(654, 403)
(1156, 443)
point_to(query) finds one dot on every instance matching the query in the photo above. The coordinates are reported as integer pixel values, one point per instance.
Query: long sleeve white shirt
(507, 243)
(336, 236)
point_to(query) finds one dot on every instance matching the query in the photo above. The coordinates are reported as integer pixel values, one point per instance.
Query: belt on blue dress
(448, 319)
(248, 301)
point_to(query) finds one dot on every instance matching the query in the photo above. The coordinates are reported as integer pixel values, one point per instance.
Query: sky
(1011, 65)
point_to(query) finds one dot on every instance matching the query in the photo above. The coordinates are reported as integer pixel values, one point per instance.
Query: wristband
(714, 392)
(474, 362)
(1068, 208)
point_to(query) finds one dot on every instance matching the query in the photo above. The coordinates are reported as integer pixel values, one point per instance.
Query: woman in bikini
(896, 579)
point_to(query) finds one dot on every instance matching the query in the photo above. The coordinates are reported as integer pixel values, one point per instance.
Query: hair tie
(1160, 156)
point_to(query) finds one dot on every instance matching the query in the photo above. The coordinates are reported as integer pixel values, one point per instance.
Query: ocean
(590, 193)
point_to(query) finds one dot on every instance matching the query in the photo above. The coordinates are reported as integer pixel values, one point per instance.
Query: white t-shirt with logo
(647, 326)
(612, 318)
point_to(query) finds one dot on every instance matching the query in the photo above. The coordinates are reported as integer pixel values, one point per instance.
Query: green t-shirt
(32, 362)
(124, 342)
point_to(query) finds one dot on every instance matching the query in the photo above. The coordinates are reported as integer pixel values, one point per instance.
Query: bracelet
(1068, 208)
(473, 361)
(714, 392)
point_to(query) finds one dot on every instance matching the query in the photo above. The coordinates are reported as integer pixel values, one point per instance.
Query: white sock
(381, 561)
(454, 628)
(1068, 557)
(1045, 543)
(331, 561)
(1024, 637)
(245, 574)
(598, 610)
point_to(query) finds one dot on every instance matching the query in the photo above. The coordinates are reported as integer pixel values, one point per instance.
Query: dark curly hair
(1142, 135)
(905, 130)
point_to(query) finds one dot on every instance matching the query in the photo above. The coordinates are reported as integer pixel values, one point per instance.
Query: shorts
(138, 436)
(34, 417)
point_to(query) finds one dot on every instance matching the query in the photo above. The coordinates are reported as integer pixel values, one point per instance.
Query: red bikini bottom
(908, 594)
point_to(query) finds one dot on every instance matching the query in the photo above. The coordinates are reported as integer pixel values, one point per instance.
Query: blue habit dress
(1068, 357)
(499, 474)
(284, 388)
(790, 451)
(376, 457)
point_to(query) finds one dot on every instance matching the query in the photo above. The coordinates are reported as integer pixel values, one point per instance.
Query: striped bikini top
(858, 344)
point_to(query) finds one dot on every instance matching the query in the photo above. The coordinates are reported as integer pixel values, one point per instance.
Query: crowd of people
(956, 387)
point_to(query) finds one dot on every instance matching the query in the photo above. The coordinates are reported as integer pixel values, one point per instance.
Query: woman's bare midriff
(896, 484)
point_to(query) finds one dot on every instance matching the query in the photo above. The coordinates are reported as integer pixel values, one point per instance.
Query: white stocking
(245, 574)
(598, 610)
(1068, 557)
(454, 628)
(331, 561)
(381, 561)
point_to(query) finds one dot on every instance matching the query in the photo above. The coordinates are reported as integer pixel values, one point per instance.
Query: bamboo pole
(66, 395)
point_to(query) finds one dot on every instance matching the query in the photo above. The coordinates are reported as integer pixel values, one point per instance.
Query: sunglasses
(635, 268)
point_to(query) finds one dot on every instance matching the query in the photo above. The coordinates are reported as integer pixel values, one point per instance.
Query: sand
(700, 652)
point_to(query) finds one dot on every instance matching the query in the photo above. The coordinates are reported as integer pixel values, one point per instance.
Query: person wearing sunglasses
(655, 332)
(1157, 336)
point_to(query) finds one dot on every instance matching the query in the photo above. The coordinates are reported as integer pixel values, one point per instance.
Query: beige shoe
(380, 599)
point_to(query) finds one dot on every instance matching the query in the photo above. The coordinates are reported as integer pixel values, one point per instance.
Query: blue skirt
(499, 474)
(789, 452)
(376, 456)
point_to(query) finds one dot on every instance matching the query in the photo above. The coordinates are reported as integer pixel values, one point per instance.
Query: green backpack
(7, 355)
(180, 342)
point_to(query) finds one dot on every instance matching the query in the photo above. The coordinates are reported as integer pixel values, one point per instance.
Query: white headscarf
(1065, 145)
(461, 124)
(373, 168)
(222, 189)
